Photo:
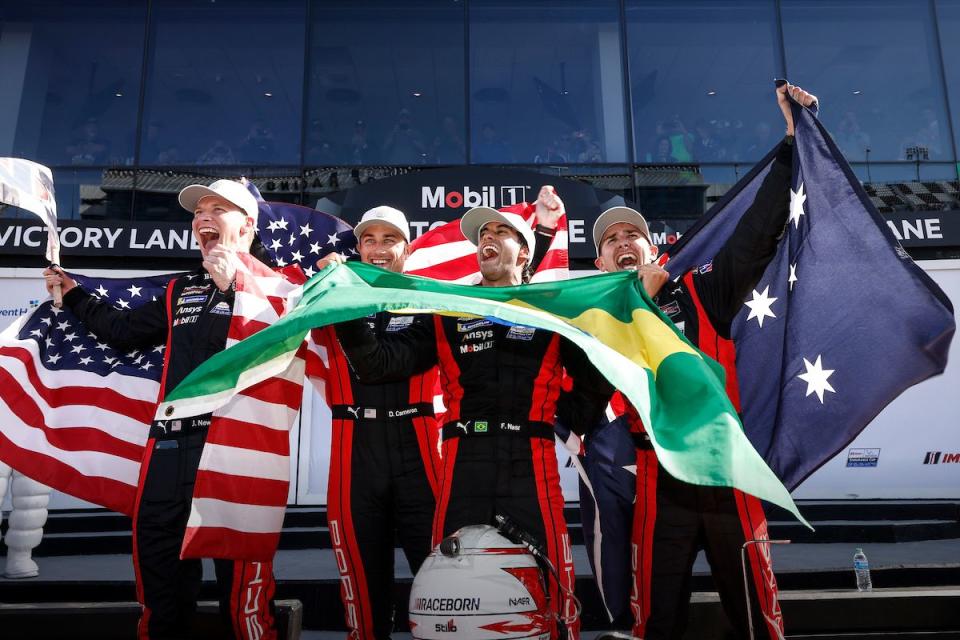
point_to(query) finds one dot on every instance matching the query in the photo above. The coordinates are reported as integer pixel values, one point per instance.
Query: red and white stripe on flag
(75, 428)
(243, 479)
(444, 254)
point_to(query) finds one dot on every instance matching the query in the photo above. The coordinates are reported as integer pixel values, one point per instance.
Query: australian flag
(841, 323)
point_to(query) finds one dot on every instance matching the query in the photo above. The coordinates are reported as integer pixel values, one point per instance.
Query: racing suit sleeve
(582, 407)
(740, 263)
(390, 357)
(145, 326)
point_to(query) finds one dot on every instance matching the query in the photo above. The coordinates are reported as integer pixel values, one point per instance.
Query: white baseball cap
(614, 215)
(231, 191)
(473, 221)
(384, 215)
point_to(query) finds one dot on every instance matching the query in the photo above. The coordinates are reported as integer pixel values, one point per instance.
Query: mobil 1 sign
(102, 238)
(430, 198)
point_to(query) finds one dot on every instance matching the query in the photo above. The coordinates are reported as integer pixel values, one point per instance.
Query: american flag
(74, 410)
(76, 413)
(444, 254)
(296, 235)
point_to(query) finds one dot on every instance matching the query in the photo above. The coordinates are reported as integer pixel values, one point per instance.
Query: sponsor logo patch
(191, 299)
(518, 332)
(399, 323)
(705, 268)
(469, 325)
(221, 309)
(480, 426)
(475, 347)
(863, 457)
(671, 309)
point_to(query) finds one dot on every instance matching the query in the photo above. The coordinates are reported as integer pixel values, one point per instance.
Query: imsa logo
(938, 457)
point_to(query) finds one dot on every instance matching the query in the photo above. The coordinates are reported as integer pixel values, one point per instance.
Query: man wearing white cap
(673, 520)
(383, 467)
(501, 387)
(192, 320)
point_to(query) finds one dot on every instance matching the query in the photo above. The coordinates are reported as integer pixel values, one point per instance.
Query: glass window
(386, 83)
(71, 80)
(876, 67)
(546, 82)
(948, 13)
(701, 80)
(224, 83)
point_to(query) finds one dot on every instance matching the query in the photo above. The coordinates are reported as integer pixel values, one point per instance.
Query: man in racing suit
(191, 320)
(502, 390)
(673, 520)
(384, 463)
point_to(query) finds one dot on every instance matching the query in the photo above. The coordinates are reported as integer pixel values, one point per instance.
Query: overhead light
(268, 94)
(857, 92)
(711, 93)
(118, 94)
(416, 94)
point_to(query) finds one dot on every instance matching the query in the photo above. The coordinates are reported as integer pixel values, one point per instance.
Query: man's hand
(549, 207)
(55, 276)
(799, 95)
(329, 259)
(653, 277)
(221, 264)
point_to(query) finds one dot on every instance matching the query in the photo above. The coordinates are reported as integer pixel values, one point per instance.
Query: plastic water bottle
(862, 569)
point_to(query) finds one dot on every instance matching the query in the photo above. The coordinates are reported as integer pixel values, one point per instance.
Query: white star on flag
(77, 349)
(52, 359)
(760, 306)
(797, 198)
(70, 337)
(101, 291)
(630, 468)
(46, 321)
(101, 346)
(63, 326)
(273, 225)
(305, 230)
(309, 271)
(85, 360)
(282, 224)
(134, 290)
(315, 248)
(333, 239)
(55, 311)
(146, 365)
(816, 378)
(296, 256)
(276, 244)
(793, 276)
(123, 304)
(36, 333)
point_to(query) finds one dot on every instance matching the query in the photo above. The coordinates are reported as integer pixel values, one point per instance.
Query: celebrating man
(673, 520)
(192, 320)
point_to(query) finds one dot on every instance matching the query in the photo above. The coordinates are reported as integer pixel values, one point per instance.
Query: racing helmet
(478, 585)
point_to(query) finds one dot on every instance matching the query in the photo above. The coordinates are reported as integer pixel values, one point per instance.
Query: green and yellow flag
(678, 392)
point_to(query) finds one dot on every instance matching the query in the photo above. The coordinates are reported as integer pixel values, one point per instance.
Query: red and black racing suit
(502, 391)
(191, 320)
(383, 477)
(673, 520)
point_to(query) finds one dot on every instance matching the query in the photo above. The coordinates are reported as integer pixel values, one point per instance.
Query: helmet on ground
(477, 585)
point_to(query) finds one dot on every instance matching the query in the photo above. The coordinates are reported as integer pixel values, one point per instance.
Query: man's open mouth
(208, 237)
(628, 261)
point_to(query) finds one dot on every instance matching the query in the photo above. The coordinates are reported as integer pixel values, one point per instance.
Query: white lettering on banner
(112, 237)
(70, 237)
(174, 238)
(919, 228)
(439, 197)
(28, 234)
(5, 234)
(575, 231)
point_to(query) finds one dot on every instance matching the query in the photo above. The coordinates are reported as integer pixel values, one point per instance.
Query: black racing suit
(383, 476)
(502, 391)
(673, 520)
(191, 320)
